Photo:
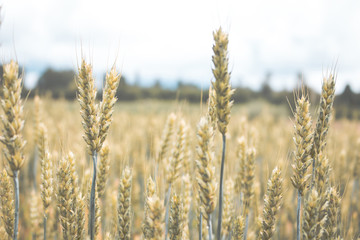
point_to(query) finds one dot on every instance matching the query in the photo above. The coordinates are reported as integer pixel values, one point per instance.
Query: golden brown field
(168, 155)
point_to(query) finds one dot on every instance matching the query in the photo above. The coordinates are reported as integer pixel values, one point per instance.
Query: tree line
(60, 84)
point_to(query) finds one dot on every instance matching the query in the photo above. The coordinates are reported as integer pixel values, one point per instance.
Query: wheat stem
(167, 197)
(45, 221)
(16, 190)
(200, 226)
(246, 226)
(210, 227)
(221, 187)
(298, 216)
(92, 198)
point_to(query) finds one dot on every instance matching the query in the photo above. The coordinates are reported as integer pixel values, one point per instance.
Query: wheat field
(173, 170)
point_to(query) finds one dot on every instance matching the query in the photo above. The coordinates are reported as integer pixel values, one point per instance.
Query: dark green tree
(59, 83)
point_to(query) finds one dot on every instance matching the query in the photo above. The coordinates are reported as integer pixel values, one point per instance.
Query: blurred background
(163, 48)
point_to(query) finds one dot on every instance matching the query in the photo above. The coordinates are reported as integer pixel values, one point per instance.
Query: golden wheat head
(222, 85)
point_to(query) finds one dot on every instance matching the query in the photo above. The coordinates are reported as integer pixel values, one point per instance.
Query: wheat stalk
(46, 186)
(96, 120)
(202, 225)
(13, 124)
(223, 94)
(89, 113)
(302, 138)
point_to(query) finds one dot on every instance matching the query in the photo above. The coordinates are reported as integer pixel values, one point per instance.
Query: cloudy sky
(172, 40)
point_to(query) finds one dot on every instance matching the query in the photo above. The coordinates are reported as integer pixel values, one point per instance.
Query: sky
(172, 40)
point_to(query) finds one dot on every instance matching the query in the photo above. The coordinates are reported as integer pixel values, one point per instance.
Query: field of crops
(173, 170)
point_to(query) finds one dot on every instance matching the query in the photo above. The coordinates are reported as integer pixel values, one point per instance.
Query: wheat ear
(205, 174)
(212, 108)
(187, 204)
(174, 167)
(155, 218)
(323, 122)
(322, 172)
(147, 224)
(65, 199)
(7, 203)
(104, 167)
(222, 87)
(248, 185)
(176, 221)
(13, 124)
(313, 219)
(124, 205)
(38, 122)
(332, 223)
(3, 231)
(46, 186)
(238, 225)
(272, 202)
(166, 137)
(107, 104)
(80, 216)
(69, 199)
